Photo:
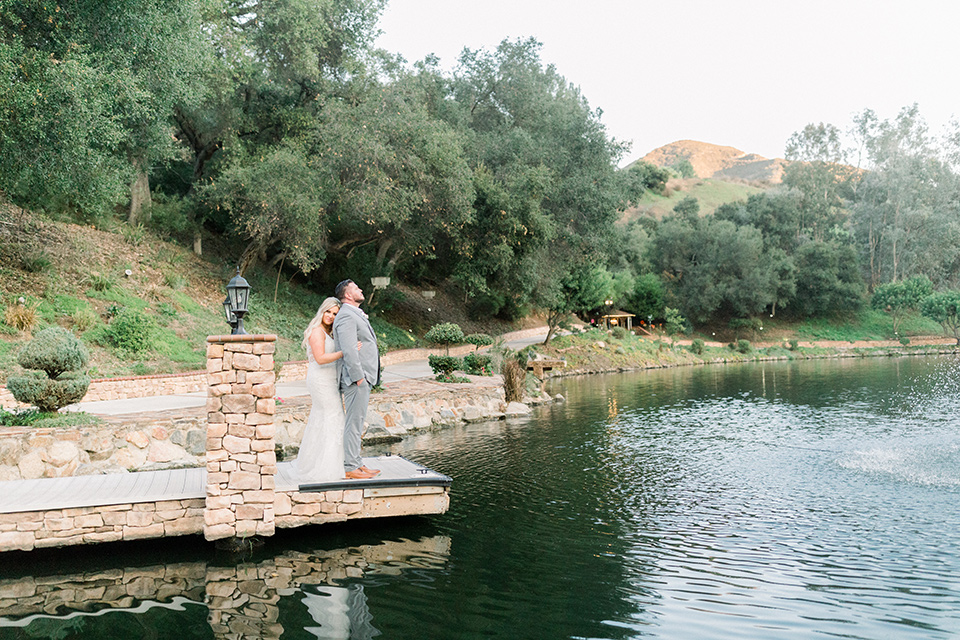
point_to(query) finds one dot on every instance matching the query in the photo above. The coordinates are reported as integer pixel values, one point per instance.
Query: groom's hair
(340, 288)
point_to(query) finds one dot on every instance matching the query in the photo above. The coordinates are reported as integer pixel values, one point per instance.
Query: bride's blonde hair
(329, 303)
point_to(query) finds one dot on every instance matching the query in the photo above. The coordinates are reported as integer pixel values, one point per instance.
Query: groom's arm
(345, 333)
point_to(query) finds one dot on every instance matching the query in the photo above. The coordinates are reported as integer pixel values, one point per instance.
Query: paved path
(412, 370)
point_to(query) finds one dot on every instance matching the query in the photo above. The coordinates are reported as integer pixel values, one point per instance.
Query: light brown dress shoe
(357, 474)
(372, 472)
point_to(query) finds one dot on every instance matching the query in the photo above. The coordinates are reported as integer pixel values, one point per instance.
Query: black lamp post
(238, 294)
(228, 314)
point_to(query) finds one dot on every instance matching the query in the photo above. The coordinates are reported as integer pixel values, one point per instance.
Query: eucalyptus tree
(907, 211)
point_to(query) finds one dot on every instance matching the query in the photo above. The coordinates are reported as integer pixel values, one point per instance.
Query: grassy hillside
(709, 192)
(144, 305)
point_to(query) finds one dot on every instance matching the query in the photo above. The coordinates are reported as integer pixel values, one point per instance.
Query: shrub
(22, 317)
(34, 262)
(84, 318)
(514, 379)
(445, 334)
(743, 346)
(477, 364)
(794, 345)
(444, 366)
(697, 346)
(57, 353)
(478, 340)
(174, 281)
(904, 340)
(130, 330)
(619, 333)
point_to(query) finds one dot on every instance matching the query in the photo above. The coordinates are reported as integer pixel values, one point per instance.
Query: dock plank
(46, 494)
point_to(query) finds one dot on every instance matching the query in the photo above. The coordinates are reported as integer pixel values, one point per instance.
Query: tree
(944, 307)
(897, 298)
(93, 89)
(828, 278)
(445, 334)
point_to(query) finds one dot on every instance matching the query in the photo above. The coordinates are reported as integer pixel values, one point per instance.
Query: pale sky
(741, 73)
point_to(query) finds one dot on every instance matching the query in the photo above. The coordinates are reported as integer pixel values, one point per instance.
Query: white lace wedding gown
(321, 450)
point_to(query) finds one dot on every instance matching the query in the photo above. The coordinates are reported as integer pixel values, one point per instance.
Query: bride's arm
(317, 343)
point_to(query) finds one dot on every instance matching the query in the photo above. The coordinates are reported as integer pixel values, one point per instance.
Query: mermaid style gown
(321, 450)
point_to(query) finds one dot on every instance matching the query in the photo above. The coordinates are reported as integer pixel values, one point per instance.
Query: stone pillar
(241, 459)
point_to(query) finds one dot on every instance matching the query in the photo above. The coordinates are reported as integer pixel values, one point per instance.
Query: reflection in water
(241, 601)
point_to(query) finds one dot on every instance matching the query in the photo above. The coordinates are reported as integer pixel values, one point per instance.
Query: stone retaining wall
(195, 381)
(176, 439)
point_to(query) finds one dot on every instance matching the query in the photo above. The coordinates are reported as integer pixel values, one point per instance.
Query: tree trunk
(140, 202)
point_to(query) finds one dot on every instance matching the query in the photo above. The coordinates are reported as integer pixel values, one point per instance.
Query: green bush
(697, 346)
(130, 330)
(794, 345)
(84, 318)
(619, 333)
(444, 366)
(743, 346)
(55, 358)
(445, 334)
(904, 340)
(478, 340)
(478, 364)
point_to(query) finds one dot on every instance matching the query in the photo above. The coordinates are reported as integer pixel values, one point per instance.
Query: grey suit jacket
(349, 326)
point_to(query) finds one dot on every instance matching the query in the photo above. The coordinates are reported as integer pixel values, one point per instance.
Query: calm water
(788, 500)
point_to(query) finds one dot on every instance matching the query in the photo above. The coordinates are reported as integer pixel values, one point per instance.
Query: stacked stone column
(241, 458)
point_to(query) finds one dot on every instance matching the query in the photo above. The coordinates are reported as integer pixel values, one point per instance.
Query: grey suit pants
(355, 400)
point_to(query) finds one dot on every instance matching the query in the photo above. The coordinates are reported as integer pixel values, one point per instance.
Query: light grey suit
(350, 326)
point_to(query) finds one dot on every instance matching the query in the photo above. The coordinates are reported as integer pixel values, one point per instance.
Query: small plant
(134, 235)
(57, 353)
(84, 319)
(697, 346)
(21, 316)
(445, 334)
(99, 282)
(619, 333)
(477, 364)
(444, 366)
(113, 310)
(904, 340)
(34, 261)
(174, 280)
(793, 345)
(130, 330)
(514, 379)
(743, 346)
(478, 340)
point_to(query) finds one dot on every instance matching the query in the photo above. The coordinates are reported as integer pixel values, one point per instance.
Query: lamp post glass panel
(228, 314)
(238, 294)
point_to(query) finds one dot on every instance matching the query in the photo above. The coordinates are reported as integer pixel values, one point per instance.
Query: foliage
(21, 316)
(514, 379)
(445, 334)
(646, 300)
(444, 366)
(944, 308)
(697, 346)
(897, 298)
(619, 333)
(743, 346)
(674, 322)
(56, 359)
(478, 339)
(131, 330)
(684, 168)
(478, 364)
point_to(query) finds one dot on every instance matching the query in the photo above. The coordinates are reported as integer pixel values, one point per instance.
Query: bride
(321, 450)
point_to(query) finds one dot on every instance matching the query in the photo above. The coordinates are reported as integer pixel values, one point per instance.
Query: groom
(359, 373)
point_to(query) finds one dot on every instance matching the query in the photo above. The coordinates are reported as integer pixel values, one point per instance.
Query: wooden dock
(50, 512)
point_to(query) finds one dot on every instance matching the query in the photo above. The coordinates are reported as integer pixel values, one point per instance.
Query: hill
(710, 193)
(719, 162)
(82, 277)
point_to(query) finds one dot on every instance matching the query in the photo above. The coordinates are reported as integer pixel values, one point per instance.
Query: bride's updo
(326, 305)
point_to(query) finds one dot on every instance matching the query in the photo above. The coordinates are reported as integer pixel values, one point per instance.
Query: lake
(775, 500)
